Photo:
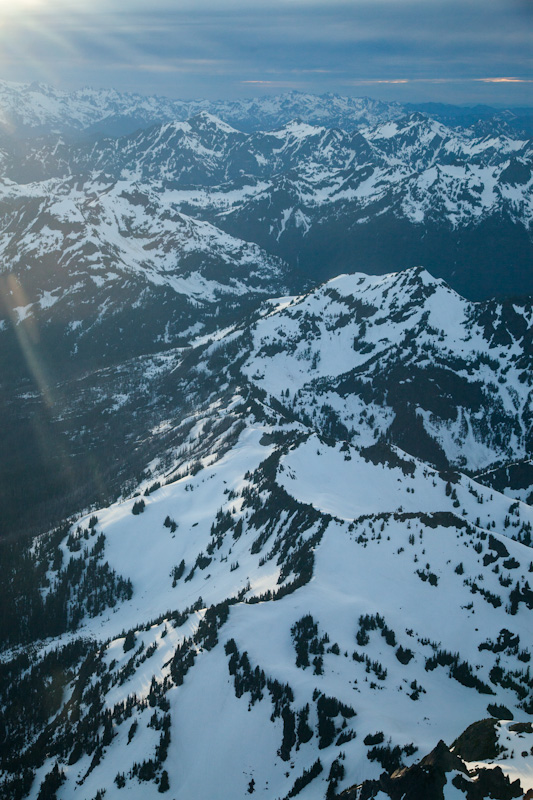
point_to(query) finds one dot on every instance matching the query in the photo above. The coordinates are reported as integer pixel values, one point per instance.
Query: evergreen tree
(164, 784)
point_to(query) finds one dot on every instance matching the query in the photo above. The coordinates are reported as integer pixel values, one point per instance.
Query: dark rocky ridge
(426, 779)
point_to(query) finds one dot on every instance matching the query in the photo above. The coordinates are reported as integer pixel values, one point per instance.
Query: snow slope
(377, 562)
(300, 608)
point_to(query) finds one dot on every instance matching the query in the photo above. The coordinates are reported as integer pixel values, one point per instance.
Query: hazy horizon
(465, 53)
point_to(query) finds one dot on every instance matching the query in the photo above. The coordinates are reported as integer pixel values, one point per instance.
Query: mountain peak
(300, 129)
(206, 119)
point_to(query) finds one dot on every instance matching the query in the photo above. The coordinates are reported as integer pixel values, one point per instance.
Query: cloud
(220, 46)
(441, 80)
(378, 81)
(505, 80)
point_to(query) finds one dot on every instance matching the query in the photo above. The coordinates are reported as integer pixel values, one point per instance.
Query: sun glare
(30, 30)
(17, 6)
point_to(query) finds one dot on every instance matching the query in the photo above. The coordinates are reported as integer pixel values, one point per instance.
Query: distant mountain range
(37, 109)
(404, 192)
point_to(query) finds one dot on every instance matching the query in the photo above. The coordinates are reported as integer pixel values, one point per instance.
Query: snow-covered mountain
(132, 247)
(86, 259)
(403, 357)
(287, 589)
(327, 201)
(37, 109)
(187, 207)
(102, 284)
(329, 109)
(293, 500)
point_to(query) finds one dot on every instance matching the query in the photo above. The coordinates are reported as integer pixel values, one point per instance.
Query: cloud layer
(469, 51)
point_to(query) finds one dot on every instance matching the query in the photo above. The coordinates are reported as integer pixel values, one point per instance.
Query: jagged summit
(297, 127)
(204, 118)
(410, 279)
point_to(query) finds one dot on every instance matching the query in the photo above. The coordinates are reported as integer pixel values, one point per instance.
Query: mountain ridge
(458, 202)
(40, 108)
(308, 576)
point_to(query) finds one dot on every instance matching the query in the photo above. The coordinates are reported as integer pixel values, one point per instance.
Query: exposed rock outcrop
(427, 779)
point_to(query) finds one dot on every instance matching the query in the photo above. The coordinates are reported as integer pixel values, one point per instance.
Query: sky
(473, 51)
